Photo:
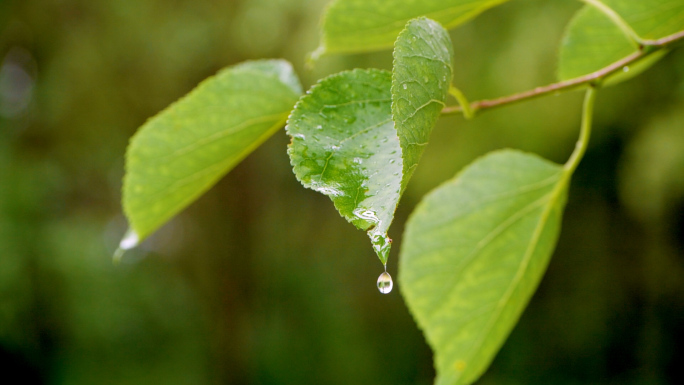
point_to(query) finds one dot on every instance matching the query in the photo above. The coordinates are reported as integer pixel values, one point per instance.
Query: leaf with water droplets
(180, 153)
(367, 25)
(421, 77)
(593, 41)
(474, 252)
(345, 146)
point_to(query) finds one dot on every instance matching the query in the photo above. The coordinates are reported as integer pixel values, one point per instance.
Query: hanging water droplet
(405, 86)
(319, 127)
(385, 283)
(625, 69)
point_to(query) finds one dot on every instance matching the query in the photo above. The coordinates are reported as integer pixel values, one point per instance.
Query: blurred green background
(261, 281)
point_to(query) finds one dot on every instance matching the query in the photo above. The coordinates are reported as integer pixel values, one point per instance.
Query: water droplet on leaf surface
(385, 282)
(381, 243)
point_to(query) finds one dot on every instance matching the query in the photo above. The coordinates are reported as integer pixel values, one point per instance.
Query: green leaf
(474, 252)
(345, 146)
(367, 25)
(649, 19)
(593, 41)
(421, 77)
(181, 152)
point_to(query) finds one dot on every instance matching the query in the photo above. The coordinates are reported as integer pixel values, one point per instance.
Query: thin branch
(567, 85)
(664, 41)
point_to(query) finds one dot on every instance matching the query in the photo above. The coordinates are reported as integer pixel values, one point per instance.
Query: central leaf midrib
(554, 195)
(447, 291)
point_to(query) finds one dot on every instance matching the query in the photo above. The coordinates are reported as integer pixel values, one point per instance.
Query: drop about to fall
(385, 282)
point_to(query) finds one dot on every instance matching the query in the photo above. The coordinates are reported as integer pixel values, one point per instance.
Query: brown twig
(571, 83)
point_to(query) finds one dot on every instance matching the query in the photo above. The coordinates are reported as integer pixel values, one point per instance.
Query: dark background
(261, 281)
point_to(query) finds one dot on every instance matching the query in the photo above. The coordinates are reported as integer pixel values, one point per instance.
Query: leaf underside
(592, 41)
(366, 25)
(473, 254)
(345, 146)
(421, 77)
(181, 152)
(650, 19)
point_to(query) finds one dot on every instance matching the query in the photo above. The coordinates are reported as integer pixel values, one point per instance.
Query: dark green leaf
(473, 254)
(345, 146)
(420, 83)
(180, 153)
(366, 25)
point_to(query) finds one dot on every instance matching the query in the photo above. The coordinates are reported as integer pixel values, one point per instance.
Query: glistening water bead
(385, 282)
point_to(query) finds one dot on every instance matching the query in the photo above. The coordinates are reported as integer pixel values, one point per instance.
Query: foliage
(230, 114)
(278, 278)
(476, 248)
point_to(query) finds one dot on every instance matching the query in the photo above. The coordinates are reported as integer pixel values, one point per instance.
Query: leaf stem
(462, 101)
(664, 40)
(585, 131)
(570, 84)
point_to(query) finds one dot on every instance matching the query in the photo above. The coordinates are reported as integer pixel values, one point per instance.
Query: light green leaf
(649, 19)
(593, 41)
(345, 146)
(181, 152)
(473, 254)
(367, 25)
(421, 76)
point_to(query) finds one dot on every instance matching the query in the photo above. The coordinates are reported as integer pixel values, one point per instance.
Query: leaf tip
(129, 241)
